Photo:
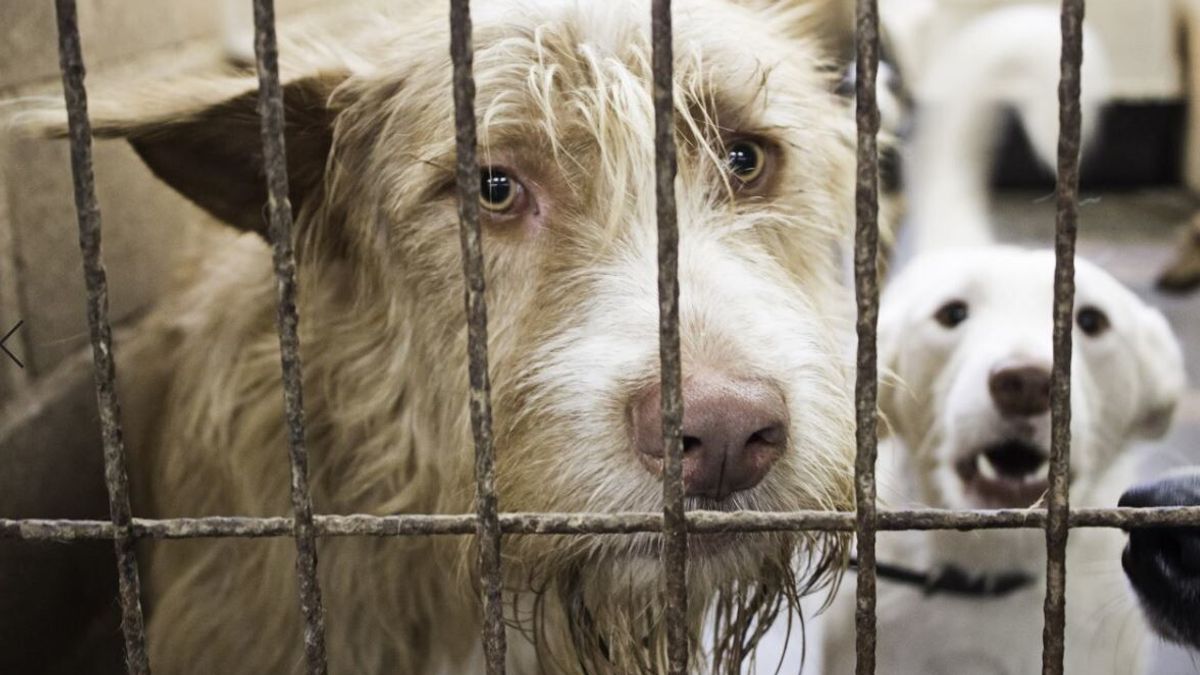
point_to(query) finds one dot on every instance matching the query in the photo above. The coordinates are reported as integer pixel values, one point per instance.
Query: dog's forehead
(1003, 279)
(575, 55)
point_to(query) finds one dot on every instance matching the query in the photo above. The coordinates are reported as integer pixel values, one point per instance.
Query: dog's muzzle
(1163, 564)
(733, 432)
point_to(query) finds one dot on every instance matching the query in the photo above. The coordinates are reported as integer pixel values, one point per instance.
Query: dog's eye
(1092, 321)
(499, 192)
(746, 160)
(952, 313)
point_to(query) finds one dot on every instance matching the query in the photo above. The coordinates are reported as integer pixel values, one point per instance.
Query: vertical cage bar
(674, 522)
(1070, 123)
(88, 212)
(866, 284)
(87, 208)
(486, 503)
(270, 108)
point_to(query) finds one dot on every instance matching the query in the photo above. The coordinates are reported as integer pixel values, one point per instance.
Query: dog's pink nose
(733, 431)
(1020, 390)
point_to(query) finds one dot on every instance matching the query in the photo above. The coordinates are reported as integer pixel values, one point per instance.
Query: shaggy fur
(564, 104)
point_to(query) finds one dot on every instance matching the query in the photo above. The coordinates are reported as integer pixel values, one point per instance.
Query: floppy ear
(204, 139)
(1161, 371)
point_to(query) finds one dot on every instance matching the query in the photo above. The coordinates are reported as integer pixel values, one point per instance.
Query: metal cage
(488, 524)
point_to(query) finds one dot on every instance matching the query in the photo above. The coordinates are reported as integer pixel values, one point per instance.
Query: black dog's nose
(1020, 390)
(1163, 563)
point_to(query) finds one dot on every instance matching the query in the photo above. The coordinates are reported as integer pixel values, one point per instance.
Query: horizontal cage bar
(698, 522)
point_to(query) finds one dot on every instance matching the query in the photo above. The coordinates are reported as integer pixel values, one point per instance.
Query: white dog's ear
(204, 139)
(1161, 369)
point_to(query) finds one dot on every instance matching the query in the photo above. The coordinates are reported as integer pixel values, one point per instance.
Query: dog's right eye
(499, 192)
(952, 313)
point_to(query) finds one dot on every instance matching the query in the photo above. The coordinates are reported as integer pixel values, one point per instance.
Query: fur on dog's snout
(1163, 564)
(733, 431)
(1020, 389)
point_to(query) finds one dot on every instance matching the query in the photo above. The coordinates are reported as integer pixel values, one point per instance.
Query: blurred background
(1141, 184)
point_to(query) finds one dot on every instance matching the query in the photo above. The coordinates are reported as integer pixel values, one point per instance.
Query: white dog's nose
(733, 431)
(1020, 390)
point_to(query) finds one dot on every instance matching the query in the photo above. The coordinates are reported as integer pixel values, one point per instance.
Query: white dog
(965, 346)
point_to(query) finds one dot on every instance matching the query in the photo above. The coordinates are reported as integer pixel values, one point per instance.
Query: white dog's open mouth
(1009, 474)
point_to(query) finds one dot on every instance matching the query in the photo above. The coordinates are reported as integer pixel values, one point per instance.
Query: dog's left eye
(952, 313)
(746, 160)
(1092, 321)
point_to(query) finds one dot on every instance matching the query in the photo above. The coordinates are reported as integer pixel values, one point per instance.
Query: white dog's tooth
(986, 468)
(1041, 474)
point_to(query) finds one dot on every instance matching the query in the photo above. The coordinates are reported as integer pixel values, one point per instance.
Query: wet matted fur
(564, 106)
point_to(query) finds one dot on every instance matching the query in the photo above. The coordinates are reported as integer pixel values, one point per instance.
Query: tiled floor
(1132, 235)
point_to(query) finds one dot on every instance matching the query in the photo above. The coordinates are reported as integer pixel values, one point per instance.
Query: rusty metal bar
(87, 208)
(866, 245)
(1057, 501)
(698, 522)
(675, 545)
(270, 108)
(486, 502)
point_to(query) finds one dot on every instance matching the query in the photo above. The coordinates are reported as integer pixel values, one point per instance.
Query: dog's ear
(204, 139)
(1161, 371)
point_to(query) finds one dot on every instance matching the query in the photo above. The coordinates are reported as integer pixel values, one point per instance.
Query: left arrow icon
(4, 349)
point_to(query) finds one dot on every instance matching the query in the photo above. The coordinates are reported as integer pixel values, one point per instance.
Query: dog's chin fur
(597, 607)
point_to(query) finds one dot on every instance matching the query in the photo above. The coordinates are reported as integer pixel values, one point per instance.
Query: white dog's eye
(952, 313)
(500, 192)
(1092, 321)
(747, 160)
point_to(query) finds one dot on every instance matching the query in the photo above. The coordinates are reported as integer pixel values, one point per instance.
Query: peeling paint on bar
(270, 108)
(1057, 501)
(866, 282)
(87, 209)
(486, 502)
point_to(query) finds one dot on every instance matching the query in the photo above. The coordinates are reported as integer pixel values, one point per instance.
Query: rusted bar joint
(486, 503)
(270, 108)
(87, 208)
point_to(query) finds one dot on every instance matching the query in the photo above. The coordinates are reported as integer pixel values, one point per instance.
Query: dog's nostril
(1020, 390)
(733, 431)
(775, 434)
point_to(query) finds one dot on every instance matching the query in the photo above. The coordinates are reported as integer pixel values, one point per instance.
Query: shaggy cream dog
(965, 343)
(566, 134)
